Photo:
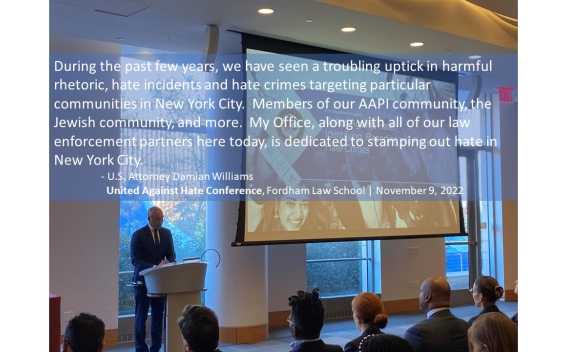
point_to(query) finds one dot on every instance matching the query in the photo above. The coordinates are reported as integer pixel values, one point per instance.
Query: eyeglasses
(289, 321)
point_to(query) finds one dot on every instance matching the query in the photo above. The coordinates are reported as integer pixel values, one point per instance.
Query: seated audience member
(485, 292)
(199, 328)
(385, 343)
(515, 317)
(306, 321)
(84, 333)
(369, 316)
(493, 331)
(441, 331)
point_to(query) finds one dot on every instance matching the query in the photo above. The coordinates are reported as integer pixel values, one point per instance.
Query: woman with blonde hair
(369, 316)
(485, 292)
(493, 332)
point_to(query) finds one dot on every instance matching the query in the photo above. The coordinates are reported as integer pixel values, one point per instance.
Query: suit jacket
(353, 345)
(145, 254)
(316, 346)
(442, 332)
(489, 309)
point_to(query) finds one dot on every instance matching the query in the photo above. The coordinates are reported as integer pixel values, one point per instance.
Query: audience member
(485, 292)
(369, 316)
(441, 331)
(84, 333)
(199, 328)
(493, 331)
(385, 343)
(515, 317)
(305, 323)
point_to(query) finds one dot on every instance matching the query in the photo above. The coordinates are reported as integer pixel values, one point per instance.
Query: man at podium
(150, 245)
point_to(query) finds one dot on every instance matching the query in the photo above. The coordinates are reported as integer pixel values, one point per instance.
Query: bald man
(441, 331)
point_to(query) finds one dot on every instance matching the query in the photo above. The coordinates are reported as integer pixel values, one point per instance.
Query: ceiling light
(475, 57)
(348, 29)
(416, 44)
(266, 11)
(119, 38)
(309, 20)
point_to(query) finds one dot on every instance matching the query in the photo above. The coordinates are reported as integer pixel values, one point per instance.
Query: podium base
(175, 303)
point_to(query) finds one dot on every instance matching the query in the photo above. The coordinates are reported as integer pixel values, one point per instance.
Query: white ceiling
(383, 27)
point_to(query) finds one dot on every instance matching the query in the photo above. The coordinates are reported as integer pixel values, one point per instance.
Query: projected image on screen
(377, 161)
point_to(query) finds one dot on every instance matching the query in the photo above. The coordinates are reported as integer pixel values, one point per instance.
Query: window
(467, 256)
(338, 268)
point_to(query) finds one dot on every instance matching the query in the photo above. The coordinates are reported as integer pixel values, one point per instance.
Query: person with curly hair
(384, 343)
(306, 321)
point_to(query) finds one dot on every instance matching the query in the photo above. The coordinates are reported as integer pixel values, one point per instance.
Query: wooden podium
(181, 283)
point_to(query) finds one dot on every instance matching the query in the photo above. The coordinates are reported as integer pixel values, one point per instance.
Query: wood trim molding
(243, 334)
(511, 296)
(279, 318)
(402, 306)
(111, 337)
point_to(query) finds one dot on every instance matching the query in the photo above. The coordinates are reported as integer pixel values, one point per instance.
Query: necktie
(156, 237)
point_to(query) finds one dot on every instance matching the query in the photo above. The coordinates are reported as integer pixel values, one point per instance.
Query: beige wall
(286, 274)
(83, 258)
(83, 236)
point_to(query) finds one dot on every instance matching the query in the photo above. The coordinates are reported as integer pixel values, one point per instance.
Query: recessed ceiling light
(309, 20)
(475, 57)
(348, 29)
(416, 44)
(266, 11)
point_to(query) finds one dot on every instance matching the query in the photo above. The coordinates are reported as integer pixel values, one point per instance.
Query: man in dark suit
(150, 245)
(441, 331)
(305, 323)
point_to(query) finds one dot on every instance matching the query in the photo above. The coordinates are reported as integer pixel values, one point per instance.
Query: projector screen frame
(281, 47)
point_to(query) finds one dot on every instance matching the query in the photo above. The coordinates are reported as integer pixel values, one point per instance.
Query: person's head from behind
(385, 343)
(368, 310)
(486, 291)
(435, 292)
(84, 333)
(155, 217)
(306, 316)
(199, 328)
(493, 332)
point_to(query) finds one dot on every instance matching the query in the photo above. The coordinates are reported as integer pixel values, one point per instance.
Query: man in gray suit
(441, 331)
